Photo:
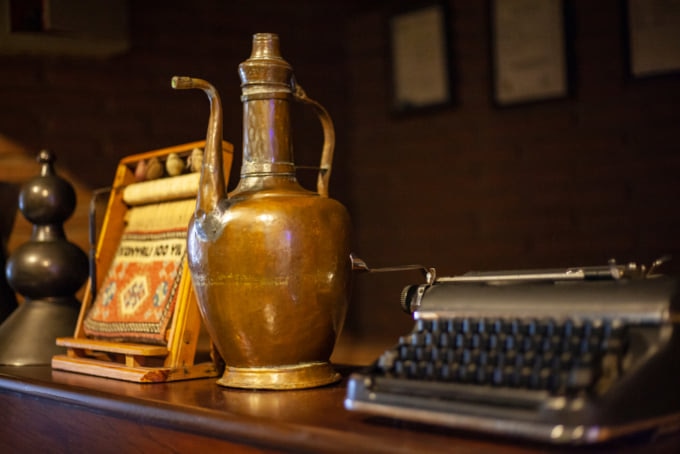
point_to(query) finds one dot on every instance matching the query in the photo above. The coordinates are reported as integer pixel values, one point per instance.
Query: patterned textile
(136, 300)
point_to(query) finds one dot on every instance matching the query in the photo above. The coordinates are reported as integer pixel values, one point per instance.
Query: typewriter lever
(360, 265)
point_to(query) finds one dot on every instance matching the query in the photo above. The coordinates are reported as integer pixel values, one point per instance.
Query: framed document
(420, 56)
(528, 51)
(653, 37)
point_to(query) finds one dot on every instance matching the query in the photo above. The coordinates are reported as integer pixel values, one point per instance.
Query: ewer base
(295, 376)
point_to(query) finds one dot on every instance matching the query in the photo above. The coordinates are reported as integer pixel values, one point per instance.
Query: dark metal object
(47, 271)
(9, 193)
(93, 239)
(549, 357)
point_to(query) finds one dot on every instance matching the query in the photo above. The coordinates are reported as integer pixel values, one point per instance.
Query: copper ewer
(270, 262)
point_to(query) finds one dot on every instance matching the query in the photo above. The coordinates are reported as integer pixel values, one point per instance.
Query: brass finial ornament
(270, 262)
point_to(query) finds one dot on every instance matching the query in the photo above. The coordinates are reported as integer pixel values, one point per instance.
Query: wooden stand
(138, 362)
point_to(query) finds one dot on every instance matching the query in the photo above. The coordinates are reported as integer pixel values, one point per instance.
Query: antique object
(572, 355)
(270, 262)
(139, 320)
(47, 271)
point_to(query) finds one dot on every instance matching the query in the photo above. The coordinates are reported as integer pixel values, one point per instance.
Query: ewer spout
(212, 187)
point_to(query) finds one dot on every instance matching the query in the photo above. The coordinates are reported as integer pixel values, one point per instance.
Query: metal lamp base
(28, 335)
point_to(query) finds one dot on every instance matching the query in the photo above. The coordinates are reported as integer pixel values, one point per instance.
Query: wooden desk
(53, 412)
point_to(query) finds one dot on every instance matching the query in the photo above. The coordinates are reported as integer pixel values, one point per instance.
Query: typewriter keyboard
(561, 357)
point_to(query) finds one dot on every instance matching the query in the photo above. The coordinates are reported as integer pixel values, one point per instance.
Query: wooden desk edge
(242, 429)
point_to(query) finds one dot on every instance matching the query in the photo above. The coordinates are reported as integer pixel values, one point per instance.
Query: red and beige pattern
(136, 300)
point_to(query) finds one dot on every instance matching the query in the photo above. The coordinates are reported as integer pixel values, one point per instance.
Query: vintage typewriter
(581, 355)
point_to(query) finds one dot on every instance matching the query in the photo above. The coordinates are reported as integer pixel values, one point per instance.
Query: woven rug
(136, 300)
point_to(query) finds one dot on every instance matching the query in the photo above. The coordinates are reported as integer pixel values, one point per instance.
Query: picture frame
(420, 56)
(652, 30)
(529, 51)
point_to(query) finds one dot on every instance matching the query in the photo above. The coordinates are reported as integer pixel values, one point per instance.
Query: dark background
(573, 181)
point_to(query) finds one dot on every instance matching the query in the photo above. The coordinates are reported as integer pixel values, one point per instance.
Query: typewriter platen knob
(411, 296)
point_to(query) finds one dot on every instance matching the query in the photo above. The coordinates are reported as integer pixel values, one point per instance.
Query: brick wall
(93, 111)
(564, 182)
(558, 183)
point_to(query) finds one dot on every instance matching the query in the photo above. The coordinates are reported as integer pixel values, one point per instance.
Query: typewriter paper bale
(136, 300)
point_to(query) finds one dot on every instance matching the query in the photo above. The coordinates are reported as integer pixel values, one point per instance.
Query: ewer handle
(328, 139)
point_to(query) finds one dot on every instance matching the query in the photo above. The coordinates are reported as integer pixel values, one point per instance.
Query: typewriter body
(581, 355)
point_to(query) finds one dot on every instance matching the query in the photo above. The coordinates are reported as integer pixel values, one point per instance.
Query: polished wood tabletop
(45, 410)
